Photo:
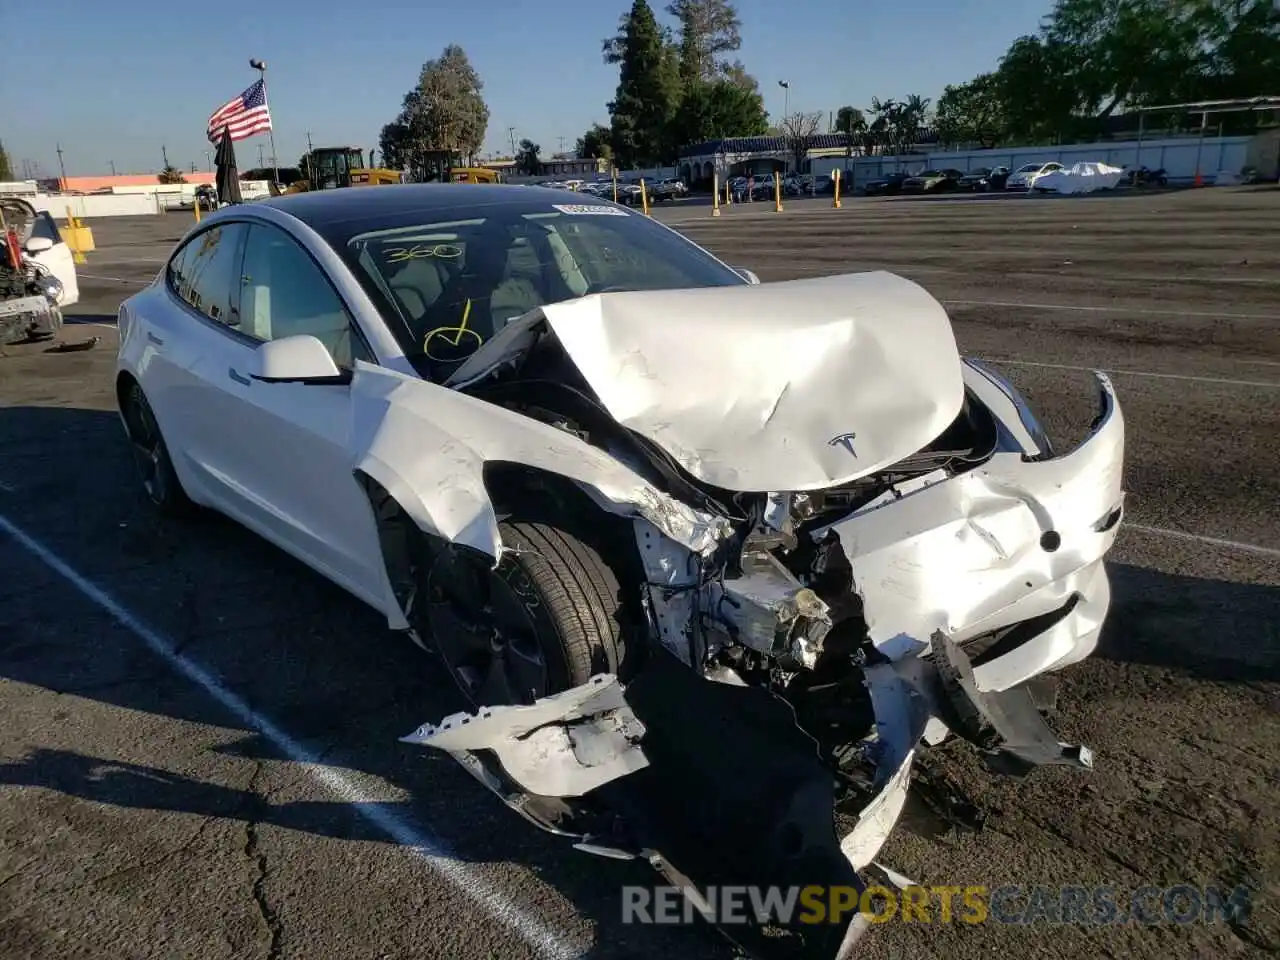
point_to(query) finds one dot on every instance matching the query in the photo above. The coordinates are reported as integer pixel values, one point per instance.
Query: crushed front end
(802, 665)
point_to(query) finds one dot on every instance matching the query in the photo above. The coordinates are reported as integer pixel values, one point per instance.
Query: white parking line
(530, 928)
(1137, 373)
(96, 276)
(1198, 538)
(1080, 308)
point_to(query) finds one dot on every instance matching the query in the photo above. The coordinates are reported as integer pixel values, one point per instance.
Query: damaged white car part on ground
(914, 552)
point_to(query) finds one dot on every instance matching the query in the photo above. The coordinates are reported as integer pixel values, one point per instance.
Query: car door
(187, 352)
(289, 443)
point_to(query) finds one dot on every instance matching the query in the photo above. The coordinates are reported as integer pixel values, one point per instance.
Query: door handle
(158, 341)
(231, 372)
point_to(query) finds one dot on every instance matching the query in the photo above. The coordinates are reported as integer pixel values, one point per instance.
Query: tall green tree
(708, 29)
(851, 122)
(646, 98)
(595, 143)
(971, 113)
(442, 120)
(171, 174)
(528, 160)
(719, 108)
(6, 171)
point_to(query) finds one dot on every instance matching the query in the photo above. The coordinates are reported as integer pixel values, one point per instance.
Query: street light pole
(62, 167)
(261, 67)
(786, 98)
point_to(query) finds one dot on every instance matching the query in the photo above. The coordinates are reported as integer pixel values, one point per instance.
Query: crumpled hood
(786, 386)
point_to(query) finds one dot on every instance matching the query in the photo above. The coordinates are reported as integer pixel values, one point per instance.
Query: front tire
(549, 617)
(151, 455)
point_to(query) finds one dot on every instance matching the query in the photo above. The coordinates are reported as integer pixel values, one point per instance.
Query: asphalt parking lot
(198, 753)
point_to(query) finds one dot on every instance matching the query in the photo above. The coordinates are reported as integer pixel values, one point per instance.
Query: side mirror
(39, 244)
(297, 359)
(747, 275)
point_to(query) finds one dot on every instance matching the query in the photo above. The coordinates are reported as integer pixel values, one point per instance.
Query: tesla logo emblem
(844, 440)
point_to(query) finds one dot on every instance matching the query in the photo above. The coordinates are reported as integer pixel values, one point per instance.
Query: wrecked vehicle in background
(712, 559)
(37, 273)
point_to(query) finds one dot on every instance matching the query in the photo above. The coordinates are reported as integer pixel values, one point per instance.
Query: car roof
(322, 210)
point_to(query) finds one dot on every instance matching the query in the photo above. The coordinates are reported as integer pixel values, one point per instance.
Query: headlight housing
(50, 286)
(1025, 414)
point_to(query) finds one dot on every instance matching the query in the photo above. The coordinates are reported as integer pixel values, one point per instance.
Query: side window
(205, 273)
(285, 293)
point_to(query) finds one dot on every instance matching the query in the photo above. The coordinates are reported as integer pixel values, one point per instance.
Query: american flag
(244, 116)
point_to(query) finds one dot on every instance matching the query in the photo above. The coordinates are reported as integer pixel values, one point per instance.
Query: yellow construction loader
(333, 167)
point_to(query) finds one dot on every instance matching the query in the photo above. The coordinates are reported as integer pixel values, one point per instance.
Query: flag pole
(261, 67)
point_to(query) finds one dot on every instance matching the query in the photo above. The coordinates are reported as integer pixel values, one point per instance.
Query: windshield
(1030, 168)
(930, 173)
(468, 278)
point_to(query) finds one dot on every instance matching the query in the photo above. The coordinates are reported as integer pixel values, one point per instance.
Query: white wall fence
(137, 201)
(1180, 158)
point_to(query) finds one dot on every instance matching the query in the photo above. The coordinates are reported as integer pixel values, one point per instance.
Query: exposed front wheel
(151, 455)
(546, 619)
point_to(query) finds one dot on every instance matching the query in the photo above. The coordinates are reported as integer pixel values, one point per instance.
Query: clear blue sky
(115, 81)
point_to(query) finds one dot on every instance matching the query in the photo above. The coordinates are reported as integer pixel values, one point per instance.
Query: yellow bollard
(644, 197)
(777, 194)
(615, 184)
(715, 194)
(73, 237)
(728, 194)
(836, 203)
(196, 205)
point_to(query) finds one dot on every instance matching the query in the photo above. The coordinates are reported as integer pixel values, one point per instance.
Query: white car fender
(427, 446)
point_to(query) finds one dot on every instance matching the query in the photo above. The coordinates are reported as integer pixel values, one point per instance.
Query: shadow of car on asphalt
(324, 668)
(316, 663)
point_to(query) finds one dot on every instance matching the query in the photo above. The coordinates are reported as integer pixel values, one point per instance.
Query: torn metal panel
(427, 446)
(815, 382)
(1005, 542)
(564, 745)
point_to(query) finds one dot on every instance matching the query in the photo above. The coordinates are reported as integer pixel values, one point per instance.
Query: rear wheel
(548, 618)
(151, 455)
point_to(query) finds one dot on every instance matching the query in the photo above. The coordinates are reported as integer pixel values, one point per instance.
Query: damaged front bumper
(715, 784)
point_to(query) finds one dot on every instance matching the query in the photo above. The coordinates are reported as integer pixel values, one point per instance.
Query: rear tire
(549, 617)
(151, 455)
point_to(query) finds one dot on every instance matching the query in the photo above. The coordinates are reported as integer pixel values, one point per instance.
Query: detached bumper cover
(715, 785)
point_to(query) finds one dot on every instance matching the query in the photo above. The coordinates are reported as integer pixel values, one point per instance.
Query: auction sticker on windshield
(590, 209)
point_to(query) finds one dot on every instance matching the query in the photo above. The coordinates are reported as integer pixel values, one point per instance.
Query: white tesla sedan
(682, 538)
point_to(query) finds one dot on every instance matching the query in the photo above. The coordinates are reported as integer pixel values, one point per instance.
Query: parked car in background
(1024, 178)
(671, 188)
(932, 181)
(985, 178)
(1144, 176)
(884, 185)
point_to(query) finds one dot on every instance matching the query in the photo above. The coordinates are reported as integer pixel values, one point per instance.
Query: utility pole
(208, 163)
(561, 139)
(165, 154)
(511, 132)
(62, 167)
(112, 164)
(260, 161)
